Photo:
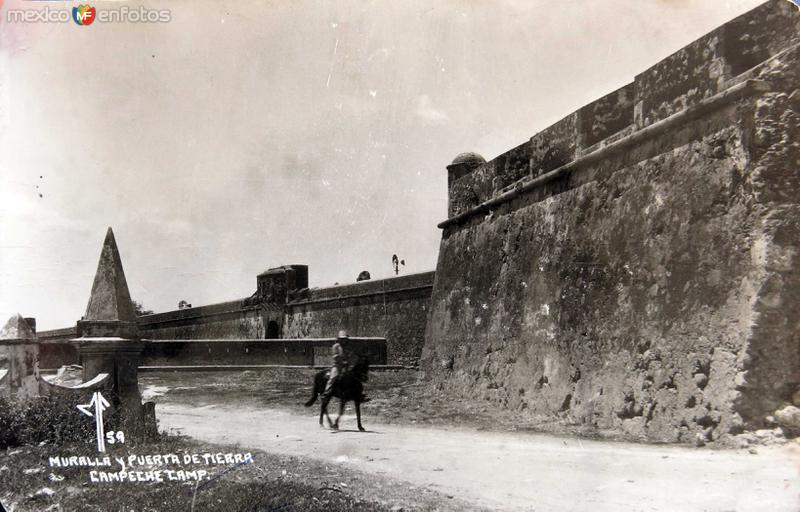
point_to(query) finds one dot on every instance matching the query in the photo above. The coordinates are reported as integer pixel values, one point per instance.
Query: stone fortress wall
(395, 309)
(283, 307)
(199, 354)
(633, 268)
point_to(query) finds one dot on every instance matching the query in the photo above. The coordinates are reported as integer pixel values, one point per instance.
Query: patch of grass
(35, 430)
(43, 420)
(254, 496)
(271, 483)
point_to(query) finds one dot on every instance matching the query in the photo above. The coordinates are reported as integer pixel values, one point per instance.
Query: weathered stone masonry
(395, 309)
(634, 267)
(283, 307)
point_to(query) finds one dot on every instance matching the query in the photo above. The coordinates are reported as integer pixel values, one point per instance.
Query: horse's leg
(327, 415)
(341, 411)
(358, 415)
(323, 410)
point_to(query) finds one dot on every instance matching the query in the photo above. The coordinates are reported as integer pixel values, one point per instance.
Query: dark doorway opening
(273, 331)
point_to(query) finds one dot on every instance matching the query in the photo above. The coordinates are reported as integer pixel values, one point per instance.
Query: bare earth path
(513, 471)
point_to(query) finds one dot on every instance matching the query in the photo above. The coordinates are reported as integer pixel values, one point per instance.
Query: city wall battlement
(692, 75)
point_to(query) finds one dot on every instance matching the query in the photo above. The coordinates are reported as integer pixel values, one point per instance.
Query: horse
(349, 386)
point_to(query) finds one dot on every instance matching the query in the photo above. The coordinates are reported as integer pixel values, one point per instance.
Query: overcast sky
(246, 135)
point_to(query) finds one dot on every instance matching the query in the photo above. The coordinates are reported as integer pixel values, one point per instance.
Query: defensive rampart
(299, 352)
(395, 309)
(225, 320)
(634, 267)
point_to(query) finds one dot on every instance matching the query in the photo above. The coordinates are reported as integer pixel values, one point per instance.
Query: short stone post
(19, 359)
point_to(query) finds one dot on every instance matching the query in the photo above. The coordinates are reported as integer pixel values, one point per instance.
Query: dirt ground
(469, 453)
(397, 397)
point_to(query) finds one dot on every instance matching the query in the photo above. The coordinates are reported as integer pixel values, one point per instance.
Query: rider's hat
(342, 334)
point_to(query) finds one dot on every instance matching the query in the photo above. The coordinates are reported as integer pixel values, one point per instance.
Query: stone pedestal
(119, 358)
(111, 329)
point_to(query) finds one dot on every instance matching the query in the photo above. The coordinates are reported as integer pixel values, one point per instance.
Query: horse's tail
(319, 386)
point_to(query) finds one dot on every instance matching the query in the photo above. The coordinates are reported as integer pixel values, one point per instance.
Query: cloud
(427, 111)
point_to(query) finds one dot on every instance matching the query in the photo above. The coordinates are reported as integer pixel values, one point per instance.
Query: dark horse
(349, 386)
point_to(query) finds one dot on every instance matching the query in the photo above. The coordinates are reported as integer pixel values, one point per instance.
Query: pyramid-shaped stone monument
(109, 339)
(110, 312)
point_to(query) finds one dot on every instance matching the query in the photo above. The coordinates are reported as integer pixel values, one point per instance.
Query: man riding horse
(341, 382)
(337, 363)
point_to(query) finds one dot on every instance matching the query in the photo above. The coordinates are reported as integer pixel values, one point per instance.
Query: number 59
(115, 437)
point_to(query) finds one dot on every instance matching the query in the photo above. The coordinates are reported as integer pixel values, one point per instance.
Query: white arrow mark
(100, 404)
